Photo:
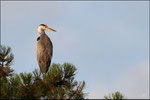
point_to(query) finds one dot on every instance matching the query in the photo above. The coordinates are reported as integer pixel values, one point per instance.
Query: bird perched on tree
(44, 48)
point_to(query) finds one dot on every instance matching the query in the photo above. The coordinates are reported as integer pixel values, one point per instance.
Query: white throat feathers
(41, 30)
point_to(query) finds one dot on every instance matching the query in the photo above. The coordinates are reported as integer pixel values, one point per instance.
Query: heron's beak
(50, 29)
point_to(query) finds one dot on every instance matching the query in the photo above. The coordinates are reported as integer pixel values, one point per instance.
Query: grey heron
(44, 48)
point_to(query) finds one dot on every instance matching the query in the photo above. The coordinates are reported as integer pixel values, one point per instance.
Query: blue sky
(107, 41)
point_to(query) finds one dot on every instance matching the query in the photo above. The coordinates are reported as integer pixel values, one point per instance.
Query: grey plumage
(44, 49)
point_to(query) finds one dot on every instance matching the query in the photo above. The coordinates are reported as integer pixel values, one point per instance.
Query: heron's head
(43, 27)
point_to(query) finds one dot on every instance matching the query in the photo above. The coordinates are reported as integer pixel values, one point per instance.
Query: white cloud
(133, 83)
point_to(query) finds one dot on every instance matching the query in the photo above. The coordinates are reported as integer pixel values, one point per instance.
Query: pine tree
(58, 83)
(116, 96)
(6, 59)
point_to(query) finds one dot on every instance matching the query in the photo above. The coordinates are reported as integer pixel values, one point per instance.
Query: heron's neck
(41, 31)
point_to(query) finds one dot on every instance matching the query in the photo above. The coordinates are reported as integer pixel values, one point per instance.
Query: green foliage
(6, 57)
(117, 96)
(58, 83)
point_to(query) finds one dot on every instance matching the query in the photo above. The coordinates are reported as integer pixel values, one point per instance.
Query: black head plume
(42, 25)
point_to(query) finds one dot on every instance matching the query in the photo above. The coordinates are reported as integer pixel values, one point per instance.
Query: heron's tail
(48, 65)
